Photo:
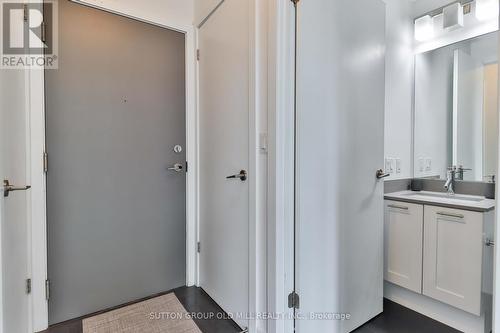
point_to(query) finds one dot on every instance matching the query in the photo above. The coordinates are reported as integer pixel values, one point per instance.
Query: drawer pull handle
(398, 207)
(457, 216)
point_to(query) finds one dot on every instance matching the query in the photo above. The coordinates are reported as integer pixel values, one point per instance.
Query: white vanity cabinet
(453, 257)
(403, 232)
(439, 252)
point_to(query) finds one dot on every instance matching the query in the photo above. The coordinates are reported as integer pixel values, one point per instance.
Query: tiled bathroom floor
(398, 319)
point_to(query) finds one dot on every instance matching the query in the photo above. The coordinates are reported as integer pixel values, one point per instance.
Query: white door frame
(281, 205)
(37, 215)
(496, 256)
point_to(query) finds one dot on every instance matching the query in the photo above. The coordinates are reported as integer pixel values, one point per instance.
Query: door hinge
(187, 167)
(198, 247)
(44, 31)
(47, 289)
(28, 286)
(198, 54)
(45, 162)
(25, 12)
(293, 300)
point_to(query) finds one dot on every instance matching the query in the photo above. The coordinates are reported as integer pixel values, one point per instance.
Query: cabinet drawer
(453, 251)
(403, 232)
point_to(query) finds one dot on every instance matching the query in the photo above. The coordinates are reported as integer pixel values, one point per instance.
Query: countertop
(459, 201)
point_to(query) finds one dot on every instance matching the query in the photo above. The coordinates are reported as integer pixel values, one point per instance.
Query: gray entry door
(115, 110)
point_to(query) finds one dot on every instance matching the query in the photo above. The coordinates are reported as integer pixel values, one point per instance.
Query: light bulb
(424, 28)
(486, 9)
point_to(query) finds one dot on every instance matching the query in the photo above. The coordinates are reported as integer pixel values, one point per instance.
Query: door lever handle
(242, 176)
(7, 188)
(177, 167)
(381, 174)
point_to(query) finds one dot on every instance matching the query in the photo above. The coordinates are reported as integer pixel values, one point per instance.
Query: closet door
(224, 113)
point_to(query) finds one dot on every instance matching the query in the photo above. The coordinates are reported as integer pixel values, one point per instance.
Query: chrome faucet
(450, 180)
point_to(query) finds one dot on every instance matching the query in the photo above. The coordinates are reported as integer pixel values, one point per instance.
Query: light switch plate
(398, 165)
(421, 166)
(263, 142)
(428, 164)
(389, 165)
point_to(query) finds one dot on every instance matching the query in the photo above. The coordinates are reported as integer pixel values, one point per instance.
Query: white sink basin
(432, 195)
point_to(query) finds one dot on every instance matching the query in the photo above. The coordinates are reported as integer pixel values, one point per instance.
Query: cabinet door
(453, 250)
(403, 244)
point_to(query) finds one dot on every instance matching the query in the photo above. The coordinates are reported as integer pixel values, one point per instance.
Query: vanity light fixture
(486, 9)
(424, 28)
(453, 17)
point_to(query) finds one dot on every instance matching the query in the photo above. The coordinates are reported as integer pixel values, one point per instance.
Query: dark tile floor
(398, 319)
(194, 300)
(394, 319)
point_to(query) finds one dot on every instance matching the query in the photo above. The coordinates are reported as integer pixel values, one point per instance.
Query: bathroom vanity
(439, 248)
(438, 238)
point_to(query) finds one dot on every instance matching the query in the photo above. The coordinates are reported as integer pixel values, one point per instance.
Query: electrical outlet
(398, 165)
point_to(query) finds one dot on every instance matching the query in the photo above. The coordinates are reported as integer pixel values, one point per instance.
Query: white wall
(202, 8)
(421, 7)
(399, 86)
(165, 12)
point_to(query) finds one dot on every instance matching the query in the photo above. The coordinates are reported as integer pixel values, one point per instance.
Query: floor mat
(164, 314)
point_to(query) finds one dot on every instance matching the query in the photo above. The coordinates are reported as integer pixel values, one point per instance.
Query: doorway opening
(116, 146)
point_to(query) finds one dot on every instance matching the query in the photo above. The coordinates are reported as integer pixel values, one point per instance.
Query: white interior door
(340, 145)
(14, 208)
(224, 151)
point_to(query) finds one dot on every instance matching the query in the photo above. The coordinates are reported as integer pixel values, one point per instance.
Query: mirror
(456, 110)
